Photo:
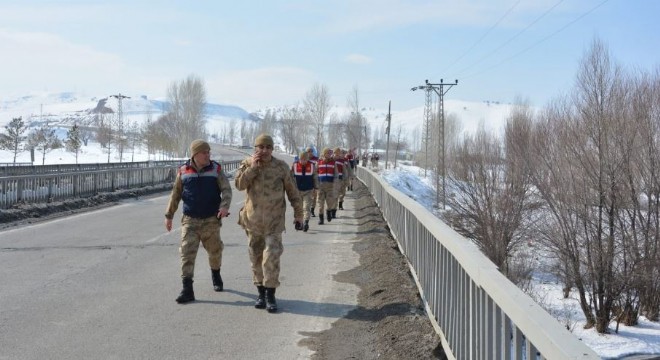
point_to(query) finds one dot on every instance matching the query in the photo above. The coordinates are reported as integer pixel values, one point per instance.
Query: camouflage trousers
(265, 252)
(308, 202)
(327, 196)
(315, 194)
(341, 190)
(194, 231)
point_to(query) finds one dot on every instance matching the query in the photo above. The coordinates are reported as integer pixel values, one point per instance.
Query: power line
(511, 39)
(538, 42)
(483, 36)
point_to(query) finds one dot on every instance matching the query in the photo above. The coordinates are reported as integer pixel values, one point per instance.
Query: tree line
(580, 181)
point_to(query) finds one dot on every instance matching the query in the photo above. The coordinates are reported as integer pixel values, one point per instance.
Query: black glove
(298, 225)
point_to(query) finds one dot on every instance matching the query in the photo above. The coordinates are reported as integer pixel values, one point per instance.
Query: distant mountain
(65, 109)
(62, 110)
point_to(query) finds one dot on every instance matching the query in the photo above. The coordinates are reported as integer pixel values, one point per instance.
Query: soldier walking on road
(314, 160)
(206, 195)
(265, 180)
(343, 179)
(307, 181)
(327, 176)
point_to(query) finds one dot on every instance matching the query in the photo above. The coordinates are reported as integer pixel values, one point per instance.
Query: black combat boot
(311, 210)
(306, 226)
(328, 214)
(261, 300)
(187, 294)
(217, 280)
(320, 219)
(271, 304)
(341, 205)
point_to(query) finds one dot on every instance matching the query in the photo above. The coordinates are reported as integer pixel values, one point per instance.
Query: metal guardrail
(15, 164)
(44, 188)
(28, 168)
(477, 312)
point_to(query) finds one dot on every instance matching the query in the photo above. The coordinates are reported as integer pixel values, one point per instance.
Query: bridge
(105, 281)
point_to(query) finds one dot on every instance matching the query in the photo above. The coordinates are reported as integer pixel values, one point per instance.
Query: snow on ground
(641, 339)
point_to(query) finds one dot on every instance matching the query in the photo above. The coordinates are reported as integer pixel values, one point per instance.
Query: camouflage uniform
(327, 194)
(195, 230)
(314, 160)
(344, 176)
(262, 217)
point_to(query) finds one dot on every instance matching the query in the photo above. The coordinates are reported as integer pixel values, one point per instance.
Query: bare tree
(14, 137)
(640, 216)
(73, 141)
(187, 101)
(232, 131)
(597, 97)
(491, 203)
(291, 120)
(400, 143)
(45, 140)
(104, 132)
(357, 130)
(317, 106)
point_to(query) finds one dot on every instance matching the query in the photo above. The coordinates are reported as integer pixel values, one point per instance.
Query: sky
(256, 54)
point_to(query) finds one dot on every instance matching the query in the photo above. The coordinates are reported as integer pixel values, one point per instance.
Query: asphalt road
(102, 284)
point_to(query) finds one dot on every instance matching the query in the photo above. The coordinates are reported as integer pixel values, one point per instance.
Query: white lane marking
(163, 235)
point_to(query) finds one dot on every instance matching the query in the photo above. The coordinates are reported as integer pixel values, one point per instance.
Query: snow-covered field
(641, 339)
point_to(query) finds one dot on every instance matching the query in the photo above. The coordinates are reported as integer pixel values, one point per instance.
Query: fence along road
(477, 311)
(47, 183)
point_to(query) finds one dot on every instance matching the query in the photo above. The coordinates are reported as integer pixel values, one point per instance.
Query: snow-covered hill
(62, 110)
(65, 109)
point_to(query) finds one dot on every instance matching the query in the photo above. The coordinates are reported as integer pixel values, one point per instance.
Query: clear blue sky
(266, 53)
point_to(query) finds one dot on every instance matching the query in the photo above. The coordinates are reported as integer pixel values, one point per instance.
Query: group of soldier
(309, 183)
(323, 181)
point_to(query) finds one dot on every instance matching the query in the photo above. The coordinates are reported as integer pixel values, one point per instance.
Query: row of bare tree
(580, 179)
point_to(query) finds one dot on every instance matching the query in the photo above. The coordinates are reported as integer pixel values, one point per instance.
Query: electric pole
(387, 131)
(120, 124)
(439, 89)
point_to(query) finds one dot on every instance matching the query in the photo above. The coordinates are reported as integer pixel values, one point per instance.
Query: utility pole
(439, 89)
(120, 124)
(387, 131)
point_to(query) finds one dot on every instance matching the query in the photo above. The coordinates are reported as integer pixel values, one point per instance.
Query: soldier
(374, 160)
(314, 160)
(364, 159)
(327, 175)
(342, 179)
(206, 195)
(265, 180)
(307, 181)
(350, 159)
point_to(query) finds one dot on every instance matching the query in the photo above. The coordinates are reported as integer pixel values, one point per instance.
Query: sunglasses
(261, 147)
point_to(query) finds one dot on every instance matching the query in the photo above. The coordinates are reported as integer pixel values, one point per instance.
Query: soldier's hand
(223, 212)
(256, 160)
(168, 225)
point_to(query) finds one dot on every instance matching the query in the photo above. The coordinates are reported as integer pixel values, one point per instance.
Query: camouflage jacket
(265, 205)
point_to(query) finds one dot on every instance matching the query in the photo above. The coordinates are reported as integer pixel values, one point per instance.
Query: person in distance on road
(311, 153)
(206, 195)
(327, 175)
(266, 180)
(307, 181)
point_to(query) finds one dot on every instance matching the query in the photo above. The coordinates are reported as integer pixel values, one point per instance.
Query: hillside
(62, 110)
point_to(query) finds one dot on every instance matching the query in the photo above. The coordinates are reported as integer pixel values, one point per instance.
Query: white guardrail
(45, 188)
(477, 312)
